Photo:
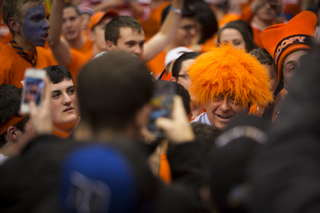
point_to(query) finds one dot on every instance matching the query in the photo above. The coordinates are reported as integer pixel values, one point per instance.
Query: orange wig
(231, 72)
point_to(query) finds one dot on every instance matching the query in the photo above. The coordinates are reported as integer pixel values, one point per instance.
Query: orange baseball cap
(96, 18)
(280, 40)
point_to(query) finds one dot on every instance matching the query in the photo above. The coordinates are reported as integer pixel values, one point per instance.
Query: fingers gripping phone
(161, 102)
(33, 89)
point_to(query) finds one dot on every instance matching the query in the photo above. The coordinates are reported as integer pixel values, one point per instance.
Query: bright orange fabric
(227, 18)
(86, 48)
(5, 39)
(156, 65)
(152, 25)
(59, 134)
(257, 36)
(13, 65)
(165, 172)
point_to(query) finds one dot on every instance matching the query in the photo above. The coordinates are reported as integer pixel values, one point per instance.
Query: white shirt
(202, 118)
(3, 158)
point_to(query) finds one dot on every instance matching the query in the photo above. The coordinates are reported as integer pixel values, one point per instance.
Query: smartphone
(33, 88)
(161, 102)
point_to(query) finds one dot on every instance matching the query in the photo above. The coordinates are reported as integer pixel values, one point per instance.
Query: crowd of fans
(243, 132)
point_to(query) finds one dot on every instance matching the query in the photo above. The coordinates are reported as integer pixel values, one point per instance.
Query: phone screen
(161, 103)
(33, 90)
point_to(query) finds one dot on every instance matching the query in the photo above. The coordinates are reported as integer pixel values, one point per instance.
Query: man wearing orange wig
(227, 81)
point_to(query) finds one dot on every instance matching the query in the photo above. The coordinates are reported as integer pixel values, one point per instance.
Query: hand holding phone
(33, 88)
(161, 103)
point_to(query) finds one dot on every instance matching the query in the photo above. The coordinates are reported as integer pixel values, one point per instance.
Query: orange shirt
(13, 65)
(165, 172)
(5, 40)
(156, 65)
(86, 48)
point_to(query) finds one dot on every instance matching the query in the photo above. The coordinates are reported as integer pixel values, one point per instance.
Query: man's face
(186, 32)
(35, 24)
(233, 37)
(64, 103)
(269, 11)
(221, 110)
(130, 41)
(71, 27)
(183, 78)
(290, 66)
(97, 35)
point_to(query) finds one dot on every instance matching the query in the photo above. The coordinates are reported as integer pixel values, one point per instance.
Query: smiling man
(227, 81)
(64, 108)
(28, 24)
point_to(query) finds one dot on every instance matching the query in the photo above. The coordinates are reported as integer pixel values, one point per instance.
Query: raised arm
(59, 47)
(166, 33)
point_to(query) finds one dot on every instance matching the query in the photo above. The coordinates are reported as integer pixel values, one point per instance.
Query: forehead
(127, 33)
(63, 85)
(185, 65)
(230, 33)
(294, 57)
(29, 9)
(186, 21)
(69, 11)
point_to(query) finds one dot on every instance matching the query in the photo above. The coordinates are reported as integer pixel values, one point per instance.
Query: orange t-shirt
(86, 48)
(156, 65)
(13, 65)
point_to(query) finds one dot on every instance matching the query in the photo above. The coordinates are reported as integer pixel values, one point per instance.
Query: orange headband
(11, 122)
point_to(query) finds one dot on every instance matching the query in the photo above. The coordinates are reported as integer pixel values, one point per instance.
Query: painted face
(72, 24)
(98, 34)
(184, 79)
(290, 65)
(186, 32)
(35, 25)
(131, 41)
(221, 110)
(233, 37)
(64, 105)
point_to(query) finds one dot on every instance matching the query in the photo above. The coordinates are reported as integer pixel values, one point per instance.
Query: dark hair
(12, 8)
(70, 5)
(188, 11)
(112, 88)
(184, 94)
(10, 97)
(244, 29)
(112, 32)
(58, 73)
(207, 20)
(176, 68)
(262, 55)
(206, 135)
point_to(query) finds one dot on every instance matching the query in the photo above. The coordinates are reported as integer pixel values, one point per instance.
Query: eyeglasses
(186, 76)
(230, 99)
(188, 28)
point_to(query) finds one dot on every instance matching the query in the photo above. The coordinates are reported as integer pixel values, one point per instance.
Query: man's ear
(12, 133)
(174, 79)
(91, 36)
(110, 45)
(14, 25)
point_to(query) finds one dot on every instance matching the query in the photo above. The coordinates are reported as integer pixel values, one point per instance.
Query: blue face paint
(35, 25)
